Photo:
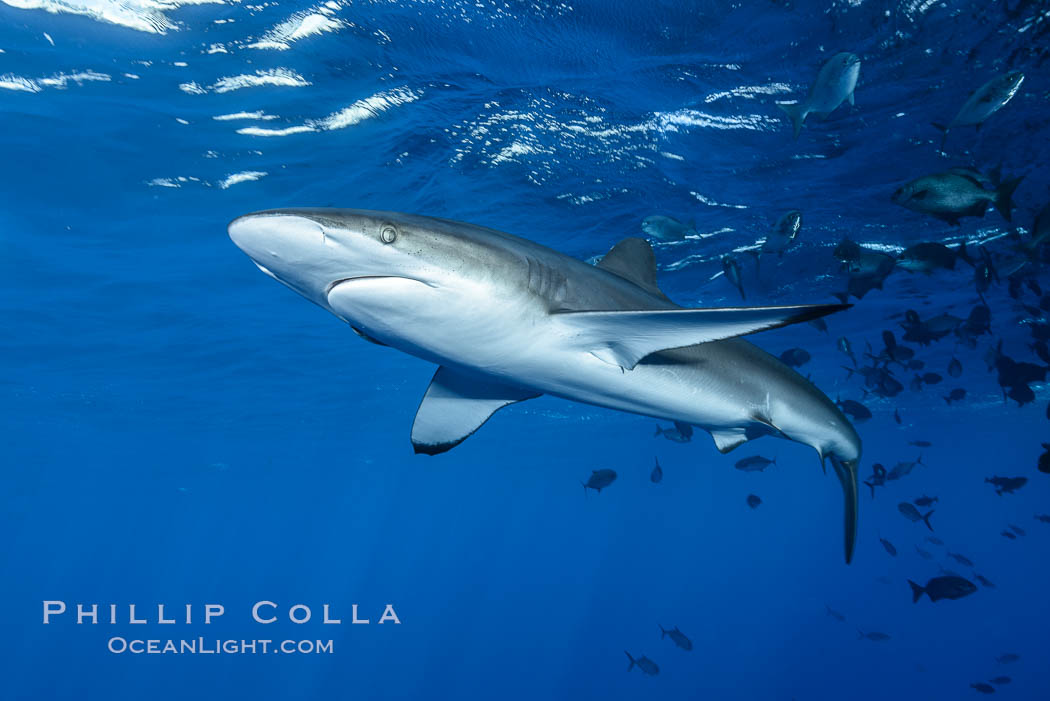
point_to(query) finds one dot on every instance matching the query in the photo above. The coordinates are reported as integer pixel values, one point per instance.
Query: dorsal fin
(633, 260)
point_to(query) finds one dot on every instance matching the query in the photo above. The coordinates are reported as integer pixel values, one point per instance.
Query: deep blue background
(177, 428)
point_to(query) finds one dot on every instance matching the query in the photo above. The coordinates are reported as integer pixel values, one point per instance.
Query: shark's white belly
(516, 342)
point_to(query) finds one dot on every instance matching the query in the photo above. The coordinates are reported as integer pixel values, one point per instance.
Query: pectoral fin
(456, 405)
(625, 337)
(728, 439)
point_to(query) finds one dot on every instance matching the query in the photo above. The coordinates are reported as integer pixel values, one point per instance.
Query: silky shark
(507, 320)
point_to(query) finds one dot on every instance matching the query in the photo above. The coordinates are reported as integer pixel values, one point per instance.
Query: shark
(507, 319)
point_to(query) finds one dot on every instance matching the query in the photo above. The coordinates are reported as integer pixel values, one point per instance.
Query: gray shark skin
(507, 320)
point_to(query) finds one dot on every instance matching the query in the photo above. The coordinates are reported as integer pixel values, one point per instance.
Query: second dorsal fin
(633, 260)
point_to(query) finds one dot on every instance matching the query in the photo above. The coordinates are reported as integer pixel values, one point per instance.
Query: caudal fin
(630, 666)
(1004, 196)
(871, 486)
(847, 474)
(926, 519)
(916, 592)
(663, 633)
(797, 114)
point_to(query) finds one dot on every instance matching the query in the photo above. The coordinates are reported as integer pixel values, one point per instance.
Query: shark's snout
(266, 236)
(250, 235)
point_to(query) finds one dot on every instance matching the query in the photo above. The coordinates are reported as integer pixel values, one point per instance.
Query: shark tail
(663, 633)
(860, 634)
(797, 113)
(926, 519)
(1004, 195)
(630, 666)
(847, 474)
(964, 254)
(916, 592)
(658, 431)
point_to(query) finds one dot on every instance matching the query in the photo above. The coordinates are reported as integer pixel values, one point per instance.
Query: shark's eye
(388, 234)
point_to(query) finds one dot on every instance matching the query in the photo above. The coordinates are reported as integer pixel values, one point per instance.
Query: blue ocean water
(180, 429)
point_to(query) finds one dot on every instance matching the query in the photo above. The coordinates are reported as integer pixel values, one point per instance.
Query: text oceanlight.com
(201, 646)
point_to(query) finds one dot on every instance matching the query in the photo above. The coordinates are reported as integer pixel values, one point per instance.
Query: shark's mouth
(370, 278)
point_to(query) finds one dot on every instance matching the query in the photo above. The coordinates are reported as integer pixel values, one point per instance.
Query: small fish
(753, 501)
(983, 688)
(913, 515)
(954, 368)
(1044, 460)
(925, 501)
(784, 233)
(1040, 234)
(1008, 658)
(932, 378)
(924, 554)
(834, 85)
(664, 228)
(657, 474)
(845, 347)
(854, 409)
(999, 681)
(877, 479)
(680, 433)
(835, 614)
(957, 193)
(731, 268)
(1006, 485)
(929, 256)
(934, 539)
(949, 587)
(1016, 529)
(984, 102)
(795, 357)
(755, 463)
(677, 637)
(889, 547)
(643, 663)
(961, 559)
(874, 635)
(921, 444)
(1044, 518)
(1008, 534)
(957, 394)
(599, 480)
(1022, 394)
(984, 582)
(902, 469)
